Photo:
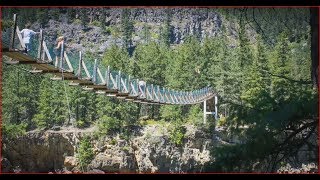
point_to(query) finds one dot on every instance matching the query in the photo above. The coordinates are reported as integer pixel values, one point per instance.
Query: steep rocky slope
(103, 27)
(148, 151)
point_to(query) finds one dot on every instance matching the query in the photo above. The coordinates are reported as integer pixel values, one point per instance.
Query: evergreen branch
(289, 79)
(293, 147)
(287, 140)
(263, 33)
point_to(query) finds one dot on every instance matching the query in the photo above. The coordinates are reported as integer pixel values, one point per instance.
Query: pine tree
(166, 32)
(20, 95)
(245, 54)
(280, 69)
(256, 95)
(150, 63)
(127, 27)
(146, 33)
(218, 60)
(85, 153)
(83, 106)
(117, 58)
(45, 116)
(263, 63)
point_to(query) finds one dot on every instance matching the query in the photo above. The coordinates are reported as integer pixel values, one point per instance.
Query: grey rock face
(151, 151)
(91, 37)
(38, 152)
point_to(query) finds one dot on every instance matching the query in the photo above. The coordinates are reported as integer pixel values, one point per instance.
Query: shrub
(170, 113)
(107, 125)
(113, 142)
(195, 115)
(96, 23)
(107, 30)
(85, 153)
(176, 134)
(14, 130)
(77, 21)
(115, 32)
(40, 121)
(81, 123)
(126, 148)
(222, 121)
(6, 24)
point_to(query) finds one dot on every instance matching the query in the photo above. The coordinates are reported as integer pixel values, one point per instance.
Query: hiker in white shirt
(27, 34)
(142, 86)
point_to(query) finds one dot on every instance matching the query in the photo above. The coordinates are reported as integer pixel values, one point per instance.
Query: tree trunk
(139, 109)
(314, 23)
(152, 111)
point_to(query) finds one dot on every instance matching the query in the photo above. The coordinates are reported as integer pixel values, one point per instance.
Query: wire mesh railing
(5, 38)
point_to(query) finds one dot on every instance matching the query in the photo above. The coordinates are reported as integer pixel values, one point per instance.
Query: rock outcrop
(37, 152)
(149, 152)
(103, 27)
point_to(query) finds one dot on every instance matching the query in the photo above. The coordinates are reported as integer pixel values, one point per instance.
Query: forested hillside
(258, 60)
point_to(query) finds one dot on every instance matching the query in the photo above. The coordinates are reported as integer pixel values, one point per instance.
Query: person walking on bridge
(58, 48)
(27, 35)
(142, 87)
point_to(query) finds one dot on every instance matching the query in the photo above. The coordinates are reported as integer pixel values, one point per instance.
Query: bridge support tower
(210, 108)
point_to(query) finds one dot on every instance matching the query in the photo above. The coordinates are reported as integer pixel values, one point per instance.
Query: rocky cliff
(102, 27)
(149, 151)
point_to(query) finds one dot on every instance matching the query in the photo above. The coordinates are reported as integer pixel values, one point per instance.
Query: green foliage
(5, 24)
(77, 21)
(182, 67)
(85, 153)
(96, 23)
(108, 125)
(83, 105)
(20, 95)
(126, 27)
(280, 67)
(54, 13)
(222, 121)
(209, 127)
(113, 142)
(83, 16)
(150, 63)
(176, 133)
(245, 55)
(107, 30)
(40, 121)
(81, 123)
(126, 148)
(115, 31)
(170, 113)
(154, 35)
(270, 101)
(70, 14)
(42, 17)
(152, 122)
(10, 131)
(146, 33)
(257, 84)
(52, 105)
(195, 115)
(166, 33)
(117, 58)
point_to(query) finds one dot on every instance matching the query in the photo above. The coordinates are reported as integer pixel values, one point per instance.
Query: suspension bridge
(93, 76)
